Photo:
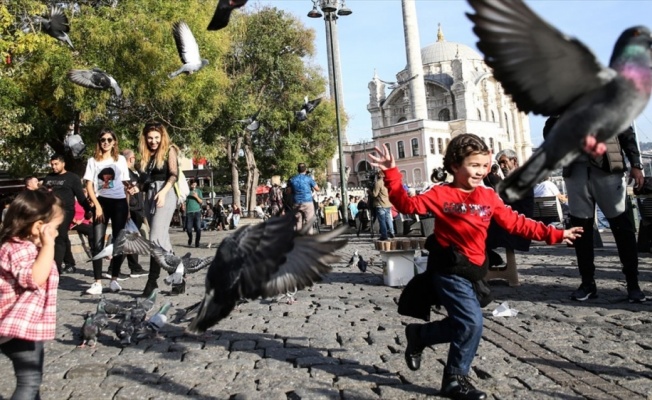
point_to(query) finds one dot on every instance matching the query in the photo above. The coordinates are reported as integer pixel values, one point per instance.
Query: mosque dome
(442, 50)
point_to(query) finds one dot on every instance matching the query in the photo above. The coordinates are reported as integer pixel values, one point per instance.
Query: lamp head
(315, 13)
(344, 10)
(329, 6)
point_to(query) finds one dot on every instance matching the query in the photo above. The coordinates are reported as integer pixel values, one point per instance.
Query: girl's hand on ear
(47, 234)
(384, 160)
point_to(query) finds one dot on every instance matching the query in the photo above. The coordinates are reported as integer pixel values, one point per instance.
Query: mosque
(446, 89)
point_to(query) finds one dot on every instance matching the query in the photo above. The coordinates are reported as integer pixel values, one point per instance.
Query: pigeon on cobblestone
(307, 108)
(55, 24)
(139, 312)
(354, 260)
(151, 327)
(548, 73)
(125, 329)
(264, 260)
(93, 325)
(223, 13)
(111, 309)
(94, 79)
(362, 265)
(188, 50)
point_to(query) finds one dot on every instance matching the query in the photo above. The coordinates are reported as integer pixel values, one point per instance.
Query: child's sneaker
(96, 288)
(115, 286)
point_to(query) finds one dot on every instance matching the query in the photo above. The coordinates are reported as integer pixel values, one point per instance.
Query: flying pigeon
(549, 73)
(223, 13)
(169, 262)
(354, 259)
(176, 278)
(362, 265)
(264, 260)
(94, 79)
(74, 144)
(289, 295)
(125, 329)
(398, 84)
(307, 108)
(188, 50)
(252, 122)
(55, 24)
(139, 312)
(154, 324)
(126, 243)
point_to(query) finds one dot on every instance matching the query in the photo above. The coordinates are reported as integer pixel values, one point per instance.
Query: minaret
(415, 65)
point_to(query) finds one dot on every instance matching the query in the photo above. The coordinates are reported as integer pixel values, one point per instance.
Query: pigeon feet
(593, 147)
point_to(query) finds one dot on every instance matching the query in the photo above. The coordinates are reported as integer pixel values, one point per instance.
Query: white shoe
(96, 288)
(115, 286)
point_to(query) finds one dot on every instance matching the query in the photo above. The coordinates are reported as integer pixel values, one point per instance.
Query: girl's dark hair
(28, 207)
(461, 147)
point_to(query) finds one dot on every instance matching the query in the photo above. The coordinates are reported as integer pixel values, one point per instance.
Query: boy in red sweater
(463, 210)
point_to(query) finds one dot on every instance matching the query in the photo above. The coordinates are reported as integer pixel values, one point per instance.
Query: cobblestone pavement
(344, 340)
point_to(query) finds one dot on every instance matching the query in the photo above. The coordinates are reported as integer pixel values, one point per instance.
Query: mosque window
(479, 115)
(417, 175)
(402, 119)
(445, 115)
(492, 145)
(404, 175)
(401, 149)
(415, 147)
(432, 146)
(440, 145)
(493, 116)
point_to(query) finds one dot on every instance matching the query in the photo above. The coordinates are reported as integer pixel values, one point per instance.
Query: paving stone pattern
(343, 339)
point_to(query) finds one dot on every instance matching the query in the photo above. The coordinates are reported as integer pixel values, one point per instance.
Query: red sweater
(462, 218)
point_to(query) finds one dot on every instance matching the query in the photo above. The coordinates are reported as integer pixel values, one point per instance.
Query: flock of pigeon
(133, 325)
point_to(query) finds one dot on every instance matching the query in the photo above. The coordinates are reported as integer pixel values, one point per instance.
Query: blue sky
(372, 38)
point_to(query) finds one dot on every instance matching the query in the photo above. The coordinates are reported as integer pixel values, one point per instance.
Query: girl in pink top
(28, 285)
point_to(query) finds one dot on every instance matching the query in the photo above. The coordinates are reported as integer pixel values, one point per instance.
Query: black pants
(62, 242)
(27, 358)
(193, 221)
(84, 229)
(116, 211)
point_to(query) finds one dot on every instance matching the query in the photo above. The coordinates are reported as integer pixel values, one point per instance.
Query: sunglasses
(106, 140)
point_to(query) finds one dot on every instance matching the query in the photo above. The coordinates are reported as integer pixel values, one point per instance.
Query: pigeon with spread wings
(264, 260)
(548, 73)
(94, 79)
(55, 24)
(223, 13)
(307, 107)
(188, 50)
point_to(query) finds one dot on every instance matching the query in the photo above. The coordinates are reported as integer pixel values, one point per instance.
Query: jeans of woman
(236, 220)
(27, 358)
(193, 221)
(462, 328)
(384, 216)
(116, 211)
(159, 223)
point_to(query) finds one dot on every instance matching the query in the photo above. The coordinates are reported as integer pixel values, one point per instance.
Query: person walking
(67, 186)
(601, 181)
(28, 286)
(107, 180)
(160, 171)
(136, 211)
(301, 186)
(463, 209)
(383, 208)
(193, 212)
(219, 212)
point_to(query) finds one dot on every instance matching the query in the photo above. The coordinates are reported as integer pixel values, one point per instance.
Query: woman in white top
(107, 180)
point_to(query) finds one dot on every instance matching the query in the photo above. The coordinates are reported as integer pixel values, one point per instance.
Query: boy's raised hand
(384, 160)
(572, 234)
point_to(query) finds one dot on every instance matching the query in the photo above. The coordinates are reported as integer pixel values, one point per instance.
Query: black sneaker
(414, 348)
(634, 294)
(459, 387)
(584, 292)
(137, 272)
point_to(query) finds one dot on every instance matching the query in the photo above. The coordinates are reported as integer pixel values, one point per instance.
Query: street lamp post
(331, 9)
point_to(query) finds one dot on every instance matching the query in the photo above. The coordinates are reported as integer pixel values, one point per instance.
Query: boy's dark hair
(57, 156)
(461, 147)
(301, 168)
(29, 178)
(28, 207)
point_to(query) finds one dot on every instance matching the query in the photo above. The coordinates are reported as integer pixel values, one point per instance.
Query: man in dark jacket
(601, 180)
(66, 186)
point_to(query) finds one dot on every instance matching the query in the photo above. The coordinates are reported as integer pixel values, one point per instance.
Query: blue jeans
(27, 357)
(384, 216)
(193, 220)
(462, 328)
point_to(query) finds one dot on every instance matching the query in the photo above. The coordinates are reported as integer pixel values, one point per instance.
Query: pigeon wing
(131, 243)
(310, 106)
(115, 86)
(195, 264)
(186, 43)
(85, 78)
(541, 68)
(223, 13)
(167, 261)
(58, 20)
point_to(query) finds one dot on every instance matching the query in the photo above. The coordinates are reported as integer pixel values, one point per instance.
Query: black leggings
(115, 210)
(27, 357)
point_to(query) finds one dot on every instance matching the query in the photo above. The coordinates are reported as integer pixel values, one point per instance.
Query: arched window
(445, 115)
(493, 116)
(404, 175)
(432, 146)
(491, 145)
(440, 145)
(401, 149)
(509, 133)
(402, 119)
(479, 115)
(417, 175)
(415, 147)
